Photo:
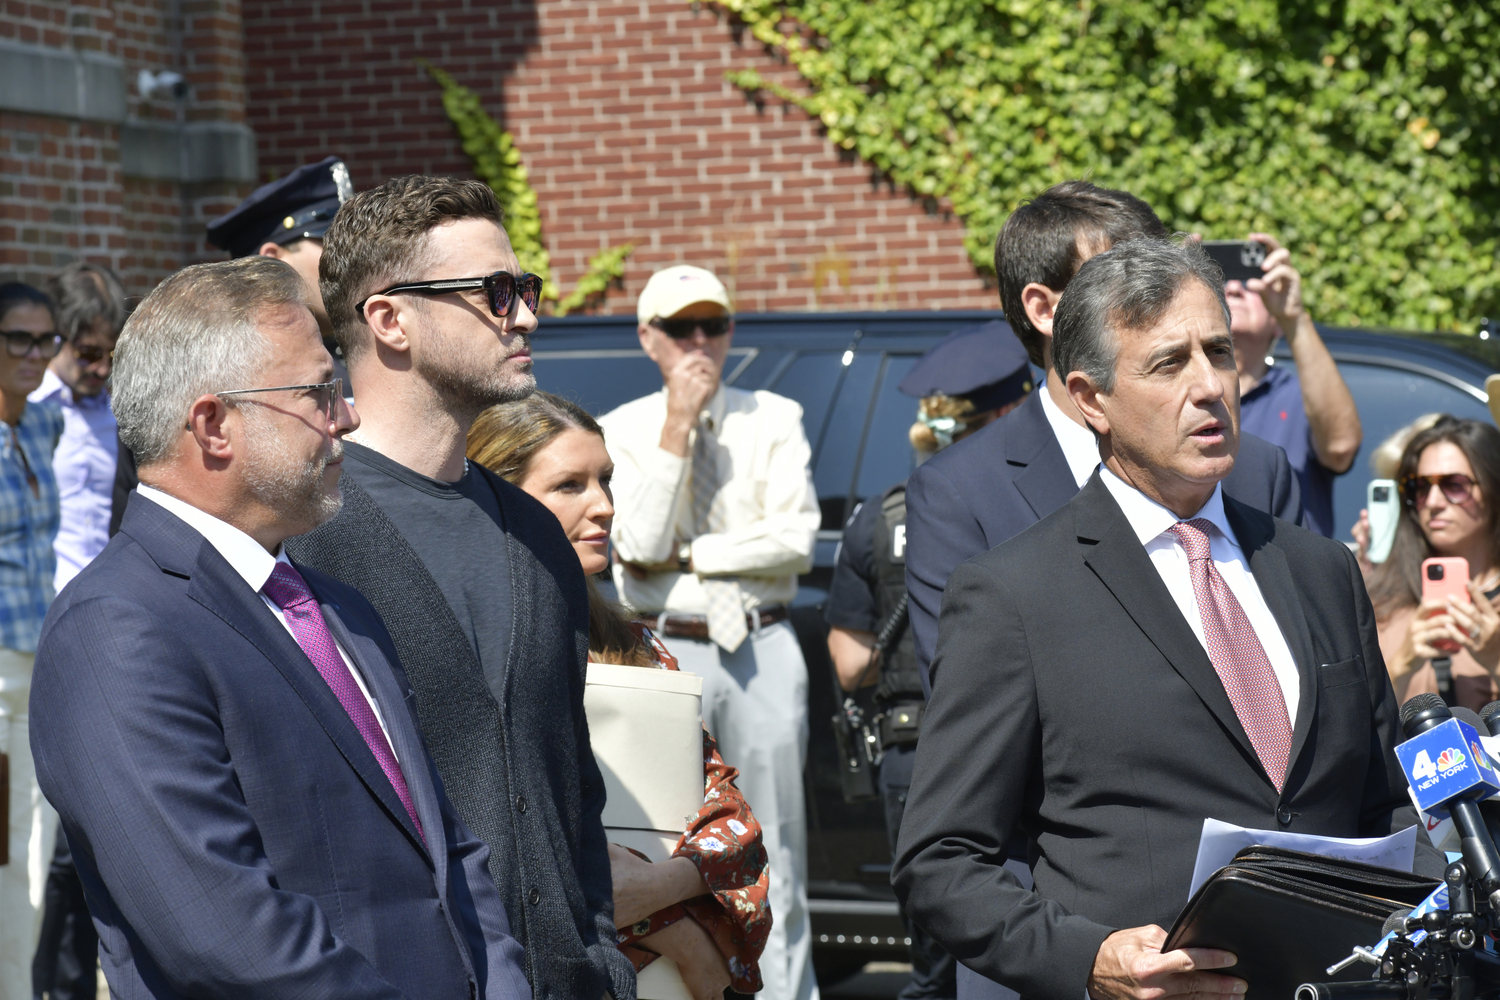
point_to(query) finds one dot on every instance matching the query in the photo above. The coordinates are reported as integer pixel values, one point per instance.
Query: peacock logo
(1479, 756)
(1450, 758)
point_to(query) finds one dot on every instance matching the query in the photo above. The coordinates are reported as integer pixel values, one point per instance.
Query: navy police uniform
(986, 365)
(299, 206)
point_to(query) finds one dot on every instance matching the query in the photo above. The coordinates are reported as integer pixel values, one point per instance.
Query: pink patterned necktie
(290, 592)
(1237, 655)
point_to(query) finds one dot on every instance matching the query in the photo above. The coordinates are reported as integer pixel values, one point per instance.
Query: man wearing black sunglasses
(716, 516)
(477, 582)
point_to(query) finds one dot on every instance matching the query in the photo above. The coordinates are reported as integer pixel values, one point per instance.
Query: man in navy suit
(1000, 481)
(227, 737)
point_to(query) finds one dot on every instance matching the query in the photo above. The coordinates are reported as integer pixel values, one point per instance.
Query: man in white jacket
(716, 517)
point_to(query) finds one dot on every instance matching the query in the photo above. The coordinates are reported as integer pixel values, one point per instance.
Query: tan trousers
(33, 827)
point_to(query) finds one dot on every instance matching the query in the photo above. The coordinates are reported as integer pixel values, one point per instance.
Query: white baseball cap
(674, 288)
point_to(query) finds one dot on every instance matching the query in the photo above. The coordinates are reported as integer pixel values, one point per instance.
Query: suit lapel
(1046, 482)
(217, 587)
(1274, 578)
(407, 745)
(1117, 557)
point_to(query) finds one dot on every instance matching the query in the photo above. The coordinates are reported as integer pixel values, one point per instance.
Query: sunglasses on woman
(682, 329)
(501, 288)
(18, 344)
(1456, 487)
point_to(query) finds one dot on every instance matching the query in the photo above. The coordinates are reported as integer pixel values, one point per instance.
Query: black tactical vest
(899, 678)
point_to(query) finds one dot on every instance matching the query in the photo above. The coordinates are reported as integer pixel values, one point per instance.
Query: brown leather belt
(672, 625)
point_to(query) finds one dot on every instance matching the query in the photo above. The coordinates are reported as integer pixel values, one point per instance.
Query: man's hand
(1281, 288)
(1131, 966)
(690, 385)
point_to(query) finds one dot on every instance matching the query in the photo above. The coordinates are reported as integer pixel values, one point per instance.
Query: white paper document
(1221, 841)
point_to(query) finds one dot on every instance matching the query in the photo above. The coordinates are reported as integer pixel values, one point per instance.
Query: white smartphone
(1384, 505)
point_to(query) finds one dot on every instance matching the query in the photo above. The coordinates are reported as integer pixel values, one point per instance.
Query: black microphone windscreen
(1472, 718)
(1488, 713)
(1422, 705)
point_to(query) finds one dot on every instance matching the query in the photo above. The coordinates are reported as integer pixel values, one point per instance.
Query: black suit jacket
(1000, 481)
(1074, 702)
(233, 832)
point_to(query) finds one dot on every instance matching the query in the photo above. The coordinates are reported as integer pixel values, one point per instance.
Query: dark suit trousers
(67, 955)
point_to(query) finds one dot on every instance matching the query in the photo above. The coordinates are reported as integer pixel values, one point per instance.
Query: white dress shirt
(1153, 522)
(771, 510)
(254, 564)
(1079, 446)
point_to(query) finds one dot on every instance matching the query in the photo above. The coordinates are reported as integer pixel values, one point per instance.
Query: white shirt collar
(51, 386)
(1150, 519)
(247, 556)
(1079, 446)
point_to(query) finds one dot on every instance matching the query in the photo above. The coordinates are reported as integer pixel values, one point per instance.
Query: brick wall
(629, 131)
(64, 191)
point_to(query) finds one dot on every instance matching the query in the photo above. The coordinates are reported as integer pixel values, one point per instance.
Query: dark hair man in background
(227, 736)
(477, 582)
(1311, 414)
(285, 219)
(90, 313)
(973, 376)
(1151, 599)
(997, 483)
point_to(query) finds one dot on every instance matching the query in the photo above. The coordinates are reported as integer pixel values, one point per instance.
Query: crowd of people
(300, 586)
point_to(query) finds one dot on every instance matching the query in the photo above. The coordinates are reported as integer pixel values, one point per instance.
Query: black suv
(843, 369)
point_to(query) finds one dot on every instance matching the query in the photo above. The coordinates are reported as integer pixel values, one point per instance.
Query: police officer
(285, 219)
(973, 376)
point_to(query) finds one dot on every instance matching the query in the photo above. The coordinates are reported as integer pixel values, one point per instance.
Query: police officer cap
(985, 364)
(299, 206)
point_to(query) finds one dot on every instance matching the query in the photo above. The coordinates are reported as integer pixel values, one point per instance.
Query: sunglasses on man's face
(1456, 488)
(91, 354)
(501, 288)
(19, 343)
(682, 329)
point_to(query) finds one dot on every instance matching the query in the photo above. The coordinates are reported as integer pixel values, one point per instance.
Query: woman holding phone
(1449, 480)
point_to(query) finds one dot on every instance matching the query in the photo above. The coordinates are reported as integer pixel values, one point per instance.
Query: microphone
(1451, 782)
(1488, 713)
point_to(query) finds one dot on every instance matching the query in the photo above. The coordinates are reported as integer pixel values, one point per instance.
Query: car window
(1388, 399)
(888, 457)
(597, 380)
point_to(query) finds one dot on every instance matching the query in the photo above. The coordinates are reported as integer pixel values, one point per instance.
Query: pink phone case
(1454, 584)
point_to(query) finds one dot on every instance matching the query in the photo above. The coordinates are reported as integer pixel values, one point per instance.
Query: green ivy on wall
(1365, 134)
(497, 162)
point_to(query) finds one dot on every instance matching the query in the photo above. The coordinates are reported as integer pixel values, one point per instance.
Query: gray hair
(194, 334)
(1128, 287)
(85, 293)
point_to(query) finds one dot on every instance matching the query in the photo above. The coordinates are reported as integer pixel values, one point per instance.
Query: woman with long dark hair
(705, 908)
(1449, 480)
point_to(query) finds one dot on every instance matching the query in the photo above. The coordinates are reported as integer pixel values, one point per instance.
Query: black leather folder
(1288, 916)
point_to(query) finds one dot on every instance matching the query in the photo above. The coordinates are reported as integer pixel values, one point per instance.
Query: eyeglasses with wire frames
(19, 343)
(1456, 488)
(327, 393)
(501, 288)
(682, 329)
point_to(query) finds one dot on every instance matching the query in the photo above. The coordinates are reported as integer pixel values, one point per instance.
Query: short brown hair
(1039, 243)
(380, 237)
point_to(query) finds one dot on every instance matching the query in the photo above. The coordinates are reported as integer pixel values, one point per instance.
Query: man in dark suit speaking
(1003, 479)
(228, 737)
(1152, 654)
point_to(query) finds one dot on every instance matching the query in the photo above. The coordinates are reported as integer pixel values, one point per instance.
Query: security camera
(160, 85)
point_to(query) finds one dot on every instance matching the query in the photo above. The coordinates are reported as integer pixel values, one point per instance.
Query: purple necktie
(1237, 655)
(290, 592)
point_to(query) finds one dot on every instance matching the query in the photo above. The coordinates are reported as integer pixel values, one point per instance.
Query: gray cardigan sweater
(510, 741)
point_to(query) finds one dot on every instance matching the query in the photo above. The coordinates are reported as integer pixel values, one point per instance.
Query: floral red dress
(724, 842)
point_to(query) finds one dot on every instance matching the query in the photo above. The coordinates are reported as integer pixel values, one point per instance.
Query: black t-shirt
(851, 596)
(455, 529)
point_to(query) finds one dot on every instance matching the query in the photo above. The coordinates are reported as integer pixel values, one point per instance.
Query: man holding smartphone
(1311, 412)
